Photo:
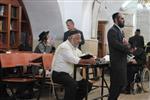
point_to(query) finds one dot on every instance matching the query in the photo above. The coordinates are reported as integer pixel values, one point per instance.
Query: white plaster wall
(105, 9)
(90, 46)
(52, 14)
(71, 9)
(80, 11)
(87, 18)
(143, 23)
(44, 15)
(129, 28)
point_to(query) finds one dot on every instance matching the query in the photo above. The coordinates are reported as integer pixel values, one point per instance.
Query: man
(71, 27)
(135, 64)
(137, 40)
(67, 54)
(118, 48)
(43, 46)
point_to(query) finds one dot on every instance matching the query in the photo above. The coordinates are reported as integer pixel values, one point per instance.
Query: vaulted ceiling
(52, 14)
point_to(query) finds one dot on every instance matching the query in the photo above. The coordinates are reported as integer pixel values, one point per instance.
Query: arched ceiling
(44, 15)
(52, 14)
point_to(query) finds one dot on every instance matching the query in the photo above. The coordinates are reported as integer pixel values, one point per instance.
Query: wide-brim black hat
(43, 35)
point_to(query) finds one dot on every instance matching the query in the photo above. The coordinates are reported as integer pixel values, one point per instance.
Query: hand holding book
(86, 56)
(87, 59)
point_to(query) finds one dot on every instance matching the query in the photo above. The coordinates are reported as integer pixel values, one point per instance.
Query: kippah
(73, 32)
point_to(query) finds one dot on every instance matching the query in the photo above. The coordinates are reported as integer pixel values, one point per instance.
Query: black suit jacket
(118, 56)
(140, 56)
(137, 41)
(66, 34)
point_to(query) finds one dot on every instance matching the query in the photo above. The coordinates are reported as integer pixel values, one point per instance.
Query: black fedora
(43, 35)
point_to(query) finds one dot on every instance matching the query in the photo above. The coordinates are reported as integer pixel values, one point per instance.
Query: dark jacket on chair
(140, 56)
(137, 41)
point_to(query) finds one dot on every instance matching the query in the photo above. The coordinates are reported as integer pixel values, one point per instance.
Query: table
(102, 66)
(12, 60)
(23, 59)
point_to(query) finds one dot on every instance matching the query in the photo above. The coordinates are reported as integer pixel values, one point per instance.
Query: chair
(141, 81)
(147, 47)
(55, 88)
(146, 79)
(94, 76)
(47, 80)
(42, 77)
(12, 61)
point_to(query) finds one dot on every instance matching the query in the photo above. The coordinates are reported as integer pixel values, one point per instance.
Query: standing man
(71, 27)
(118, 48)
(67, 54)
(137, 40)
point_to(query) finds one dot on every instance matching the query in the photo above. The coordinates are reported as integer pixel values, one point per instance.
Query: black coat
(137, 41)
(140, 56)
(118, 56)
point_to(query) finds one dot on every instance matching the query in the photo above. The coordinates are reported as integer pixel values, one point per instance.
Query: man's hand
(125, 41)
(132, 49)
(92, 61)
(133, 61)
(88, 61)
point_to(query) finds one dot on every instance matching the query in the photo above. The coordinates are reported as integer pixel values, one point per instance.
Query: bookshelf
(3, 25)
(15, 28)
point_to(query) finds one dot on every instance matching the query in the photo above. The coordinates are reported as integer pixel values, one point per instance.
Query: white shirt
(65, 57)
(119, 28)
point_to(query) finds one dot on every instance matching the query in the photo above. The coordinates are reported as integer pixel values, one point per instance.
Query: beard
(121, 25)
(76, 46)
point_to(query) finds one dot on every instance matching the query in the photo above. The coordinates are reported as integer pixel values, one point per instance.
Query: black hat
(138, 30)
(43, 35)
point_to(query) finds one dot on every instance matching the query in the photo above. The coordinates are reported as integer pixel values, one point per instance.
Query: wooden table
(23, 59)
(12, 60)
(101, 66)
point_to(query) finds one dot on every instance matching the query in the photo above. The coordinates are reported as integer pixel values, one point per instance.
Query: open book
(86, 56)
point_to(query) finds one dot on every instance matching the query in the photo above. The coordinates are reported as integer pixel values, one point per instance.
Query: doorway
(101, 38)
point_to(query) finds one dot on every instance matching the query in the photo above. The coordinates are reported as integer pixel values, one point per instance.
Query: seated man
(67, 54)
(43, 46)
(134, 65)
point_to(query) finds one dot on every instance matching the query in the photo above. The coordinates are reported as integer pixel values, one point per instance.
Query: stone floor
(96, 93)
(47, 95)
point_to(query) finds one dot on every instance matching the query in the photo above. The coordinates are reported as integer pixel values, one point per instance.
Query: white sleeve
(69, 56)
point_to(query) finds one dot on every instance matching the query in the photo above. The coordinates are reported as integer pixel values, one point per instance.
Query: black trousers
(74, 90)
(131, 70)
(114, 92)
